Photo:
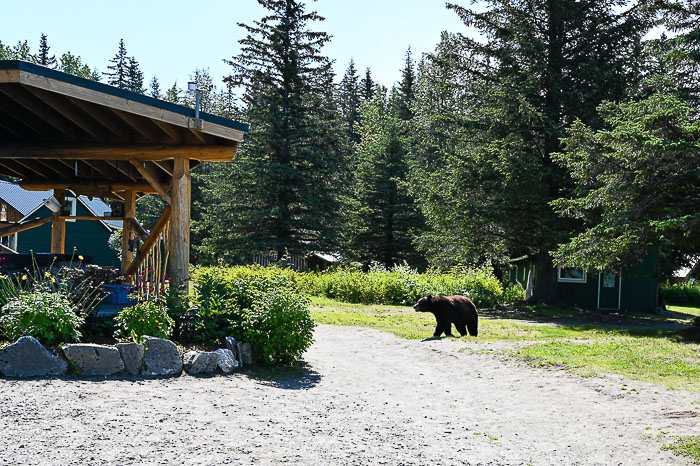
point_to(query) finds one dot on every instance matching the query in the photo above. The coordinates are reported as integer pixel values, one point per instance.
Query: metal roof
(21, 200)
(117, 92)
(26, 202)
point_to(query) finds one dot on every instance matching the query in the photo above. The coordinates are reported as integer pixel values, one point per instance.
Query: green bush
(682, 294)
(256, 305)
(47, 316)
(145, 318)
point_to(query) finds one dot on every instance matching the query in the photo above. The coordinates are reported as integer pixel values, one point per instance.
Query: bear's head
(425, 304)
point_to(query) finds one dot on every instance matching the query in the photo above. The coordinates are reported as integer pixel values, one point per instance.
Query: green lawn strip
(683, 312)
(686, 446)
(650, 359)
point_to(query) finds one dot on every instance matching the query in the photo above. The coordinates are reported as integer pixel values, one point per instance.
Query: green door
(608, 291)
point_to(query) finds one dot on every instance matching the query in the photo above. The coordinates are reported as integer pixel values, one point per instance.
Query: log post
(58, 228)
(180, 222)
(127, 229)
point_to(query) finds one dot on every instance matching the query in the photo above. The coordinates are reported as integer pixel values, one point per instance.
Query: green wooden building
(634, 289)
(89, 238)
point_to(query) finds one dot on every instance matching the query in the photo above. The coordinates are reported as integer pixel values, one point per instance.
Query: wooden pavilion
(59, 132)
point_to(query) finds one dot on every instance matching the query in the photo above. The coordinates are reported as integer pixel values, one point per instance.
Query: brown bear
(448, 310)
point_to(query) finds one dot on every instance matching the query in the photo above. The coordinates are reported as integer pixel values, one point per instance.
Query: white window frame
(571, 280)
(73, 202)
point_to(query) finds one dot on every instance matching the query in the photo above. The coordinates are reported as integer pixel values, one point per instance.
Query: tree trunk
(546, 290)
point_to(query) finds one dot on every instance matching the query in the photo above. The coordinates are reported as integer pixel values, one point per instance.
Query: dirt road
(365, 397)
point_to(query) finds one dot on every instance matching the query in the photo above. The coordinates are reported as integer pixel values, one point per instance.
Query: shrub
(682, 294)
(255, 305)
(145, 318)
(47, 316)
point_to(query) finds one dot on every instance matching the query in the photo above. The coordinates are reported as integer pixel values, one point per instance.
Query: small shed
(634, 289)
(62, 133)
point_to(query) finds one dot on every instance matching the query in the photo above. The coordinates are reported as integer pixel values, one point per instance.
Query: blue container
(118, 294)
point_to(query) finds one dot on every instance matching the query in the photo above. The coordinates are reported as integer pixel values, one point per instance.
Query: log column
(58, 228)
(127, 230)
(180, 221)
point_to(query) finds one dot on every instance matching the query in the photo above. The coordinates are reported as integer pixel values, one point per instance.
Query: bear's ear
(430, 297)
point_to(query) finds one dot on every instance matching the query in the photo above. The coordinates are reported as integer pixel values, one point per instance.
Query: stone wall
(156, 357)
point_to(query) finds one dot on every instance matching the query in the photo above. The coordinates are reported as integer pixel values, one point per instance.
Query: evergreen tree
(119, 75)
(349, 102)
(279, 196)
(73, 64)
(368, 87)
(43, 58)
(173, 94)
(208, 92)
(404, 95)
(134, 76)
(491, 114)
(383, 218)
(21, 51)
(155, 88)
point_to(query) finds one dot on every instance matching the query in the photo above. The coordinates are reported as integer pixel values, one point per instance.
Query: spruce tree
(349, 102)
(404, 95)
(491, 114)
(368, 87)
(134, 76)
(208, 92)
(73, 64)
(43, 57)
(173, 94)
(279, 195)
(383, 218)
(119, 75)
(155, 88)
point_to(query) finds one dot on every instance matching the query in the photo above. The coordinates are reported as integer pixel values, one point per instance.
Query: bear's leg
(448, 329)
(462, 329)
(473, 327)
(439, 329)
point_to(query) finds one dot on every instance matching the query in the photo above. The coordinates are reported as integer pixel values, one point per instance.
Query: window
(572, 275)
(73, 204)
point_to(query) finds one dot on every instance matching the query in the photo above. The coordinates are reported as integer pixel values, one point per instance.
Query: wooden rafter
(117, 152)
(153, 178)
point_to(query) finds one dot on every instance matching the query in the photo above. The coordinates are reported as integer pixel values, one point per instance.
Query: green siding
(88, 237)
(638, 293)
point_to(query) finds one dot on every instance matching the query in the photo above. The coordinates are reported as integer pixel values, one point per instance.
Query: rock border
(157, 357)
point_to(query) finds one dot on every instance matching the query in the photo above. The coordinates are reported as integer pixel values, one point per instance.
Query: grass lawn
(686, 446)
(641, 350)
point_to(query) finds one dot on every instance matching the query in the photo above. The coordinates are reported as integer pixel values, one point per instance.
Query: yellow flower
(24, 277)
(80, 257)
(53, 280)
(47, 274)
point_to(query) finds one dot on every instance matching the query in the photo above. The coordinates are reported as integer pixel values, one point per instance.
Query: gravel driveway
(365, 397)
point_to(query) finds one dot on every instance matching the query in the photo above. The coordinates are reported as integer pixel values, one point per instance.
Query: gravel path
(365, 397)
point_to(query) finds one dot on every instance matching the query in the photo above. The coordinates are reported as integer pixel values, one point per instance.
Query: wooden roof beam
(116, 152)
(71, 112)
(150, 173)
(33, 104)
(140, 125)
(104, 117)
(38, 127)
(43, 185)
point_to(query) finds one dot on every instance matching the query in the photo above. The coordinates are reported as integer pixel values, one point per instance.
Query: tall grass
(398, 285)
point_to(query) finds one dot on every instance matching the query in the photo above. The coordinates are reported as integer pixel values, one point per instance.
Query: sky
(170, 39)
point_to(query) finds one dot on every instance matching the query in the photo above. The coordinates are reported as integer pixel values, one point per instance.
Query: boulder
(232, 345)
(132, 355)
(28, 358)
(196, 362)
(246, 354)
(94, 360)
(161, 357)
(227, 362)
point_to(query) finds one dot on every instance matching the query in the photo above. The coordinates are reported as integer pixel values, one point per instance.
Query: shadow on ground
(299, 377)
(638, 324)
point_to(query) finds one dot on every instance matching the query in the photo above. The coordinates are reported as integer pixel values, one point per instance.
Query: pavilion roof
(59, 131)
